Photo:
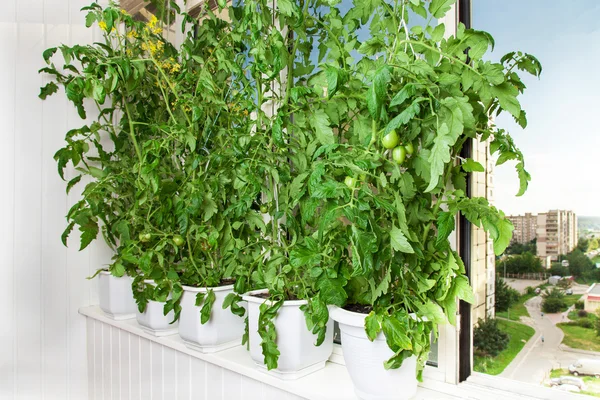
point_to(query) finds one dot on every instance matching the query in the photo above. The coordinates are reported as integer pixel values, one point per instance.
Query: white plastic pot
(116, 297)
(364, 361)
(222, 331)
(153, 320)
(299, 355)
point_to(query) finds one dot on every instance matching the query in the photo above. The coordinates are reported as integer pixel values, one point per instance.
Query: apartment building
(556, 233)
(525, 227)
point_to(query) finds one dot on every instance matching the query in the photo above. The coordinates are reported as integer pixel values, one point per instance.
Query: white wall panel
(43, 353)
(8, 44)
(166, 373)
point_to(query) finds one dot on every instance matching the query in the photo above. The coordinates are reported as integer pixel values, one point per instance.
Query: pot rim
(107, 272)
(346, 317)
(205, 289)
(250, 298)
(351, 318)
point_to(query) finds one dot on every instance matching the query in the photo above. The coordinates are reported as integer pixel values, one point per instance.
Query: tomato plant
(235, 155)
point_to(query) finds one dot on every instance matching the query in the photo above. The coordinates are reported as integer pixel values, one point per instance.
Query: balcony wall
(42, 337)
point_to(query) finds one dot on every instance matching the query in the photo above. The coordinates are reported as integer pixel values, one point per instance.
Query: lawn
(592, 383)
(517, 310)
(573, 316)
(519, 335)
(571, 299)
(578, 337)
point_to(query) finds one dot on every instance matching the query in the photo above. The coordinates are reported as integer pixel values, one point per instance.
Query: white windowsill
(333, 382)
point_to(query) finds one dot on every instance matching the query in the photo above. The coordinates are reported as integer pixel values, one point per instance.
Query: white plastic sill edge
(333, 382)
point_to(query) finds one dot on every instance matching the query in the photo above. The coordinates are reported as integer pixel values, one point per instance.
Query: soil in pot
(358, 308)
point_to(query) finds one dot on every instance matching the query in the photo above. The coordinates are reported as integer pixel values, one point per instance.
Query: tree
(593, 245)
(522, 263)
(554, 301)
(558, 269)
(520, 248)
(488, 339)
(583, 244)
(579, 263)
(505, 295)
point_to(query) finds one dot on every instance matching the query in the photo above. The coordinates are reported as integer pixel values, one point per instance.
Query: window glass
(557, 228)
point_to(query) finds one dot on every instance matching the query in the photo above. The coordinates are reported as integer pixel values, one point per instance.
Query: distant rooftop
(595, 290)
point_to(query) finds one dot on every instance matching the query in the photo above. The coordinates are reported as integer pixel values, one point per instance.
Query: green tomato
(264, 208)
(410, 149)
(350, 182)
(399, 154)
(390, 140)
(144, 237)
(178, 240)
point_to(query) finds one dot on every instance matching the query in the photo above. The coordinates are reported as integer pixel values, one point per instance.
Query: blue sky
(562, 140)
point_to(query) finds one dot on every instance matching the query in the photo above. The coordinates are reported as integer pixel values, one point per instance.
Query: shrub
(598, 322)
(553, 305)
(489, 339)
(585, 323)
(558, 269)
(505, 295)
(554, 301)
(530, 290)
(579, 305)
(582, 313)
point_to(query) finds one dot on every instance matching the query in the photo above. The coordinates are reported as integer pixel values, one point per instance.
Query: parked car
(568, 380)
(569, 291)
(585, 367)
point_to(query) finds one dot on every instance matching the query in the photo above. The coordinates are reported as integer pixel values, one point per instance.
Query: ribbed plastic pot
(364, 360)
(299, 355)
(116, 297)
(222, 331)
(154, 321)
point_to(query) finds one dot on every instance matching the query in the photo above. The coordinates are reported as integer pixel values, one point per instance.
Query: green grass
(517, 310)
(592, 383)
(571, 299)
(519, 334)
(580, 338)
(573, 316)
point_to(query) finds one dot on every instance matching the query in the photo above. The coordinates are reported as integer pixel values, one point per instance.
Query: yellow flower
(103, 25)
(124, 12)
(132, 34)
(157, 30)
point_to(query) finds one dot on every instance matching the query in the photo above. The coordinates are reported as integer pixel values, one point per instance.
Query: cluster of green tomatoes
(391, 141)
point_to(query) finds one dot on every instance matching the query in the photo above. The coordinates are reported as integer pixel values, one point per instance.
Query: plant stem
(132, 132)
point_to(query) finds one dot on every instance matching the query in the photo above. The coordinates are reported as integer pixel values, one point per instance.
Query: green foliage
(559, 270)
(520, 263)
(488, 338)
(195, 159)
(579, 263)
(553, 301)
(579, 304)
(529, 290)
(521, 248)
(505, 295)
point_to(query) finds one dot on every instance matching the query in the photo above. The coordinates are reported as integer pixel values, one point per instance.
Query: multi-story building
(556, 233)
(525, 227)
(483, 259)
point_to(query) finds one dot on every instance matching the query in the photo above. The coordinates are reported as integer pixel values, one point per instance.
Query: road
(534, 362)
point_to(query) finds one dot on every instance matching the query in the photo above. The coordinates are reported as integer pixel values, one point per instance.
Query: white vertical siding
(116, 366)
(43, 353)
